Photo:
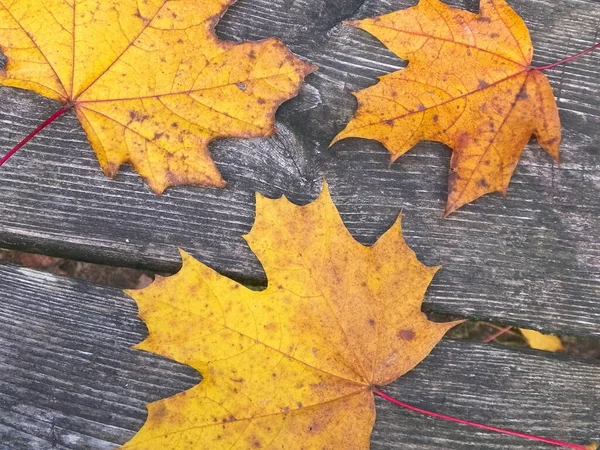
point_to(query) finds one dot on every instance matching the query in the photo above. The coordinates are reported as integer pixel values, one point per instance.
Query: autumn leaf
(149, 81)
(469, 84)
(298, 361)
(540, 341)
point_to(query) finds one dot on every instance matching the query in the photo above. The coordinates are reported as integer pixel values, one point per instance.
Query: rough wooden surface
(69, 380)
(529, 259)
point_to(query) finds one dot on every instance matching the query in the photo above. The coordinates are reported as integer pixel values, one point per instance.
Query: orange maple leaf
(149, 81)
(297, 362)
(469, 84)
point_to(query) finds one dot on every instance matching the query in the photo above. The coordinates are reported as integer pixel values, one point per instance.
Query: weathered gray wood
(69, 380)
(530, 259)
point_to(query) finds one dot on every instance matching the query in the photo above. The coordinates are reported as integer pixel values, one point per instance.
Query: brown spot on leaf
(159, 413)
(271, 326)
(314, 428)
(483, 84)
(406, 334)
(464, 140)
(137, 117)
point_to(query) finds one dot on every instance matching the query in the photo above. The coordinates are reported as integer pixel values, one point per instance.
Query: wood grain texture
(69, 380)
(531, 259)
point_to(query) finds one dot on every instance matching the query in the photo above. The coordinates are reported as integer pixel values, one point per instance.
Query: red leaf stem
(497, 334)
(31, 135)
(477, 425)
(570, 58)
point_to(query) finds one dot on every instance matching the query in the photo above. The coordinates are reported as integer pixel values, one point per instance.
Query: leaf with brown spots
(296, 362)
(469, 84)
(149, 81)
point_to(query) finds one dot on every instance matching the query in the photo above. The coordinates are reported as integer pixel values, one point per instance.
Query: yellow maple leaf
(149, 81)
(296, 362)
(469, 84)
(540, 341)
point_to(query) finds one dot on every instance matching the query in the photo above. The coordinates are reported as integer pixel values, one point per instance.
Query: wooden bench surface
(529, 259)
(67, 377)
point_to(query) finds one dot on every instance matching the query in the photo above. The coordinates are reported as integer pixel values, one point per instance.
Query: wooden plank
(530, 259)
(69, 379)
